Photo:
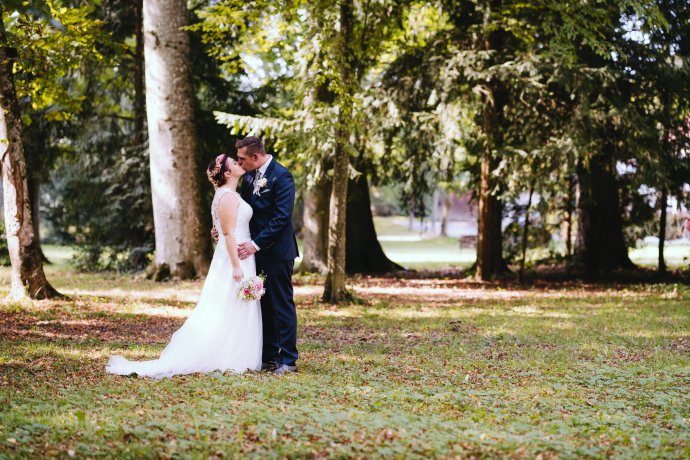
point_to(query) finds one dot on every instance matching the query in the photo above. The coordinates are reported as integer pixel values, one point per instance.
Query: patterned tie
(257, 178)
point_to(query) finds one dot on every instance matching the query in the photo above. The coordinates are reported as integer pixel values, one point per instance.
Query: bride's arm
(227, 211)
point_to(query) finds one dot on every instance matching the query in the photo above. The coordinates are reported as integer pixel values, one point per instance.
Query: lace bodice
(244, 214)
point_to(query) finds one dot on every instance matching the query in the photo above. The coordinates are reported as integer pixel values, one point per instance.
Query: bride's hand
(237, 274)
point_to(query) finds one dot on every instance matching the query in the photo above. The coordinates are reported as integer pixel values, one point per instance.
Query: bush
(95, 258)
(537, 237)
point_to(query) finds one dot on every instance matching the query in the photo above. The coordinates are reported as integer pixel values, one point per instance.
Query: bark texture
(28, 278)
(335, 290)
(315, 227)
(663, 204)
(490, 261)
(489, 235)
(182, 243)
(364, 253)
(568, 218)
(34, 184)
(600, 223)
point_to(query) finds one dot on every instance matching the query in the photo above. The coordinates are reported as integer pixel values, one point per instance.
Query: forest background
(566, 126)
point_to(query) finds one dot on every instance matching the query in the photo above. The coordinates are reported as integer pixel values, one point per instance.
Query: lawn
(416, 368)
(424, 251)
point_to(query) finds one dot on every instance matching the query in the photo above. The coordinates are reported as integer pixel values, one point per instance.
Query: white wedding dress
(222, 332)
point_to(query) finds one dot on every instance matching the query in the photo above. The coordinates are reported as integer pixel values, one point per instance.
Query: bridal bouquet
(252, 288)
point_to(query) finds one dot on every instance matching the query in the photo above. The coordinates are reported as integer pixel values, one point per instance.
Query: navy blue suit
(271, 229)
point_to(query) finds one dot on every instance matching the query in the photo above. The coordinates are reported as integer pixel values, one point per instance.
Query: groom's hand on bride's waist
(246, 249)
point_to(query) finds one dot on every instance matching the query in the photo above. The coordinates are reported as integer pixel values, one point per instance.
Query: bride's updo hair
(216, 171)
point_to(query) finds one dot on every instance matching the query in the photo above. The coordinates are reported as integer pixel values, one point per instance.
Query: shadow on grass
(92, 327)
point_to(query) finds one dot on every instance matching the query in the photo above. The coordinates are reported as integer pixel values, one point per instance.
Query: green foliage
(309, 97)
(91, 159)
(105, 205)
(561, 81)
(538, 236)
(49, 55)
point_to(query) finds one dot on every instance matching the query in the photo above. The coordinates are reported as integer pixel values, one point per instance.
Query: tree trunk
(364, 252)
(182, 242)
(315, 227)
(34, 184)
(139, 94)
(600, 217)
(445, 206)
(525, 234)
(662, 230)
(579, 240)
(568, 221)
(490, 238)
(488, 204)
(28, 277)
(334, 289)
(435, 210)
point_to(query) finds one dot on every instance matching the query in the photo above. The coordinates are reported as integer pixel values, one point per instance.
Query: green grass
(440, 252)
(419, 369)
(425, 253)
(429, 253)
(675, 256)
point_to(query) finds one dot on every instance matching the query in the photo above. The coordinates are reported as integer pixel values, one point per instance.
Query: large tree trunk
(490, 261)
(490, 238)
(28, 278)
(315, 227)
(334, 289)
(182, 242)
(662, 229)
(364, 252)
(600, 217)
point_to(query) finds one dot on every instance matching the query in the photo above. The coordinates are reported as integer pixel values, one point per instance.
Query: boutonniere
(262, 182)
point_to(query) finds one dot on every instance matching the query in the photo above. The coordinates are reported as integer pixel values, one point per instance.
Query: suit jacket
(271, 225)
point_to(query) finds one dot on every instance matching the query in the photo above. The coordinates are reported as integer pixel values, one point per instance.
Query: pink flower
(252, 289)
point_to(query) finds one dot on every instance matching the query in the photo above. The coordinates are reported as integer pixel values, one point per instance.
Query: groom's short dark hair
(252, 143)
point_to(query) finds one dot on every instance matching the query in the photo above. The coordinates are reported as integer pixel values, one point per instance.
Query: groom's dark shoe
(269, 366)
(284, 369)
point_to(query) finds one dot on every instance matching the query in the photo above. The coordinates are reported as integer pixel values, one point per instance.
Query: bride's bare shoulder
(228, 201)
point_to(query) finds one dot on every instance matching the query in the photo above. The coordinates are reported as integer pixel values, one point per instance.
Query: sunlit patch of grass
(674, 255)
(422, 368)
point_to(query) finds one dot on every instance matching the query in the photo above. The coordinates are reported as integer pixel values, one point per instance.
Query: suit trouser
(279, 316)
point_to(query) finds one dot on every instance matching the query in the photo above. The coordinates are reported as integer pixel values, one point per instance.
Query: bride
(222, 332)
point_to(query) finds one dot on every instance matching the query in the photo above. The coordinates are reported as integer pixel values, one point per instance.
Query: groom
(270, 190)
